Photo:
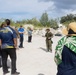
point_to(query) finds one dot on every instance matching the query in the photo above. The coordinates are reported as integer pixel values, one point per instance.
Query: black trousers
(29, 38)
(0, 59)
(12, 53)
(21, 41)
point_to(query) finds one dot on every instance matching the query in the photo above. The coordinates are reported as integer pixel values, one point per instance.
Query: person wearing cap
(65, 52)
(21, 33)
(8, 44)
(48, 36)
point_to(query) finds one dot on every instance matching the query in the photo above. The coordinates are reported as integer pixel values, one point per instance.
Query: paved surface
(33, 58)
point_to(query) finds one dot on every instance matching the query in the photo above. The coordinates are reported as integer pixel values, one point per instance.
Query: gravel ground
(33, 58)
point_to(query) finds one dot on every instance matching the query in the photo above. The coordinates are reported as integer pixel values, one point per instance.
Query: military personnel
(49, 42)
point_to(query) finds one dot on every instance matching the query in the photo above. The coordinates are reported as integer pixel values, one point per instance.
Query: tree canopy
(68, 18)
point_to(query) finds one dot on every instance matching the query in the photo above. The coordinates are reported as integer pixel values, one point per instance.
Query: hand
(49, 38)
(15, 45)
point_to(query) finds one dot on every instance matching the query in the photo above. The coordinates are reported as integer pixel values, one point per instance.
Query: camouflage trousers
(49, 45)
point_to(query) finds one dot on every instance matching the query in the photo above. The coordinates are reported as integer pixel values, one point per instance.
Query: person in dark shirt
(2, 25)
(65, 52)
(8, 43)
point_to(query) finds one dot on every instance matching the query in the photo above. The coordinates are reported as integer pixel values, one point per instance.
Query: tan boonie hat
(64, 31)
(72, 26)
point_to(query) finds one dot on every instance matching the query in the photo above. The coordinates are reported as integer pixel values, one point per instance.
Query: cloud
(61, 7)
(62, 4)
(44, 0)
(25, 9)
(29, 8)
(65, 4)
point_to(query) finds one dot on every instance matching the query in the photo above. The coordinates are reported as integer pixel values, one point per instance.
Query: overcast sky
(27, 9)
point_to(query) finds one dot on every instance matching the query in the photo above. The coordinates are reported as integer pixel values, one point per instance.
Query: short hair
(7, 21)
(21, 26)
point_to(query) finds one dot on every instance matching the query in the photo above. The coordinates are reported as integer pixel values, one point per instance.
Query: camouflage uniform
(49, 42)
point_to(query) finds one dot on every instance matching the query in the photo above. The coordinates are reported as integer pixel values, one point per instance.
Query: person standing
(49, 42)
(8, 44)
(21, 33)
(18, 36)
(29, 34)
(65, 52)
(2, 26)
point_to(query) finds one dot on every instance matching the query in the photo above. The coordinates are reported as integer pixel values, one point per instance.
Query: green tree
(53, 23)
(44, 19)
(33, 21)
(68, 18)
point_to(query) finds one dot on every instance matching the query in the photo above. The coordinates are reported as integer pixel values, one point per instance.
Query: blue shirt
(7, 34)
(21, 30)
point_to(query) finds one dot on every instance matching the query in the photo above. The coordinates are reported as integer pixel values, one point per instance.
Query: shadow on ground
(43, 49)
(40, 74)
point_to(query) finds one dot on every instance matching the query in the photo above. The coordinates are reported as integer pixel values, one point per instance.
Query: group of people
(20, 32)
(8, 45)
(65, 52)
